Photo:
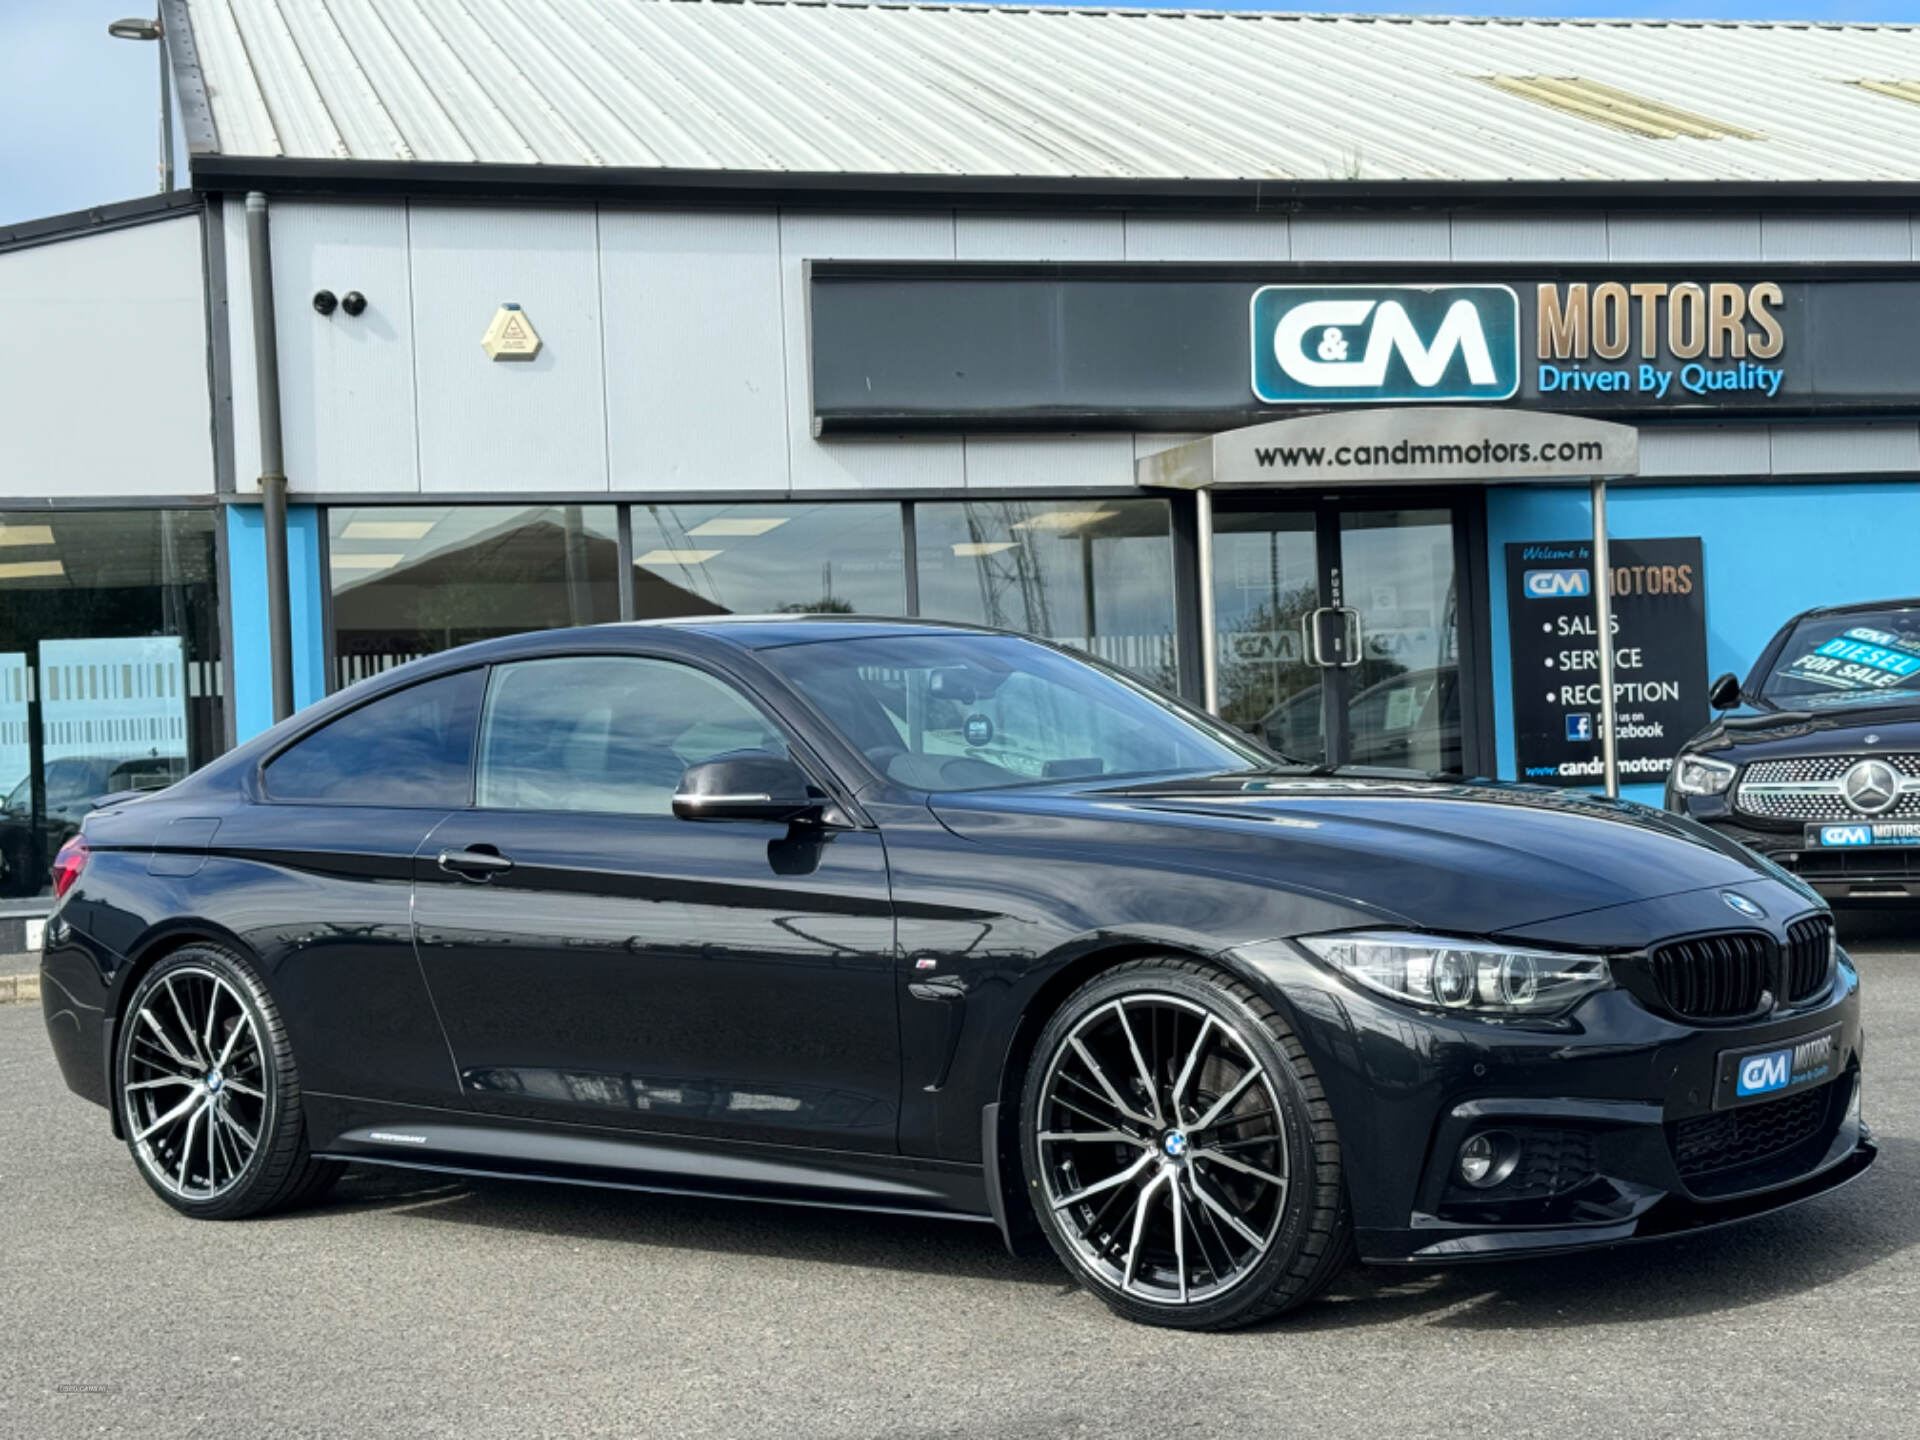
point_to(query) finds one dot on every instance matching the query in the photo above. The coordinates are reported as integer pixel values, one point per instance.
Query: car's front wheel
(209, 1097)
(1182, 1155)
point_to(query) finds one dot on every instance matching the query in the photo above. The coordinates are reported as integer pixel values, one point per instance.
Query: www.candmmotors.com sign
(1399, 446)
(1375, 344)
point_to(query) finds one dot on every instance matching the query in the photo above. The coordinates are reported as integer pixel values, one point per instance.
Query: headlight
(1697, 775)
(1468, 975)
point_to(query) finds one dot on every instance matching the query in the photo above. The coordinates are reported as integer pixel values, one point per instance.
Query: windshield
(1862, 656)
(980, 712)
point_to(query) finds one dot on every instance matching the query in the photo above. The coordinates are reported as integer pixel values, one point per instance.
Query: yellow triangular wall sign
(511, 336)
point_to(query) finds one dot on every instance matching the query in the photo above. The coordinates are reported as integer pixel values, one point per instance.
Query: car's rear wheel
(209, 1097)
(1181, 1153)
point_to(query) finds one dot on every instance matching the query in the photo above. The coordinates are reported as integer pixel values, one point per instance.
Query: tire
(208, 1094)
(1136, 1084)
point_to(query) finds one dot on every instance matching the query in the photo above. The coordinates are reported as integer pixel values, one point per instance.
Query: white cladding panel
(1836, 237)
(1048, 462)
(1039, 237)
(1549, 238)
(1683, 237)
(103, 379)
(538, 424)
(240, 369)
(346, 381)
(1180, 237)
(1845, 449)
(696, 374)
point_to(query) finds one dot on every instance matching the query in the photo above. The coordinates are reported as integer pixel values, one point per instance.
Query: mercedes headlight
(1697, 775)
(1468, 975)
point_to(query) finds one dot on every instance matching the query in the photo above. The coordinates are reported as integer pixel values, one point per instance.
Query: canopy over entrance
(1411, 445)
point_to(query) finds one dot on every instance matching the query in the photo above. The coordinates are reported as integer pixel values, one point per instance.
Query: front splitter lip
(1674, 1216)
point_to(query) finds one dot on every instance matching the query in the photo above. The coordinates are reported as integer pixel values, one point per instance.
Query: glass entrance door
(1339, 630)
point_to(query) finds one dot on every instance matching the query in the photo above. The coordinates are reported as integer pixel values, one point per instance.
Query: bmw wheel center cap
(1174, 1143)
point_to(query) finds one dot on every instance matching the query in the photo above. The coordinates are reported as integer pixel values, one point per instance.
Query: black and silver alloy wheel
(194, 1083)
(1181, 1154)
(208, 1094)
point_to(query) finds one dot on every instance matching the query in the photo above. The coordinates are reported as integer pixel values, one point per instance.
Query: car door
(596, 960)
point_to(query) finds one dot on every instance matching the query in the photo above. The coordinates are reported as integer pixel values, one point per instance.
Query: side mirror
(744, 787)
(1724, 693)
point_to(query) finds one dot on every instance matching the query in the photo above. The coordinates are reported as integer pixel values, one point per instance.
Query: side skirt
(453, 1142)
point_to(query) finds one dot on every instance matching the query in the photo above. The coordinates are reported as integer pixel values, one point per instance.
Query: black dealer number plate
(1746, 1077)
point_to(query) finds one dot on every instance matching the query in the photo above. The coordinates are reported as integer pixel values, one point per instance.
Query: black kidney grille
(1809, 945)
(1712, 1143)
(1714, 976)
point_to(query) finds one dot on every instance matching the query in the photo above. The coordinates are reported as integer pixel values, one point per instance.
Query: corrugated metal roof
(804, 87)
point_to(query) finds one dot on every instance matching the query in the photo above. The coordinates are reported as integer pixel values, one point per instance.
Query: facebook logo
(1580, 726)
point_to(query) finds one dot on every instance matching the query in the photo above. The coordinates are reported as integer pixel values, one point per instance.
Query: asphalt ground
(412, 1306)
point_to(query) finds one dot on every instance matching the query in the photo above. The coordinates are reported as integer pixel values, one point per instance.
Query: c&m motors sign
(1385, 344)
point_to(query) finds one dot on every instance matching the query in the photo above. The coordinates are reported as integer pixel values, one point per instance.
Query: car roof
(762, 632)
(1861, 607)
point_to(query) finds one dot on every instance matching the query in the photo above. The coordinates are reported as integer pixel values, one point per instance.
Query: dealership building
(1265, 356)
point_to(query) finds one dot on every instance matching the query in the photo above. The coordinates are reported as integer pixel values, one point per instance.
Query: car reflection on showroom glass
(917, 918)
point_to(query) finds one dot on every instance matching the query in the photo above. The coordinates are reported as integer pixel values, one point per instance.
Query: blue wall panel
(252, 655)
(1770, 551)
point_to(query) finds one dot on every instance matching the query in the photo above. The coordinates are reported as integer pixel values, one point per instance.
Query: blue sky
(79, 111)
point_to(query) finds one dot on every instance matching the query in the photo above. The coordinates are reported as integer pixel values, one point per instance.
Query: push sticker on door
(1385, 344)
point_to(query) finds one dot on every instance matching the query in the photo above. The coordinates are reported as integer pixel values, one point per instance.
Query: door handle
(479, 863)
(1354, 638)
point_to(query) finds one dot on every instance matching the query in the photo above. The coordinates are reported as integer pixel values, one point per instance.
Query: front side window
(410, 748)
(980, 712)
(1847, 659)
(608, 733)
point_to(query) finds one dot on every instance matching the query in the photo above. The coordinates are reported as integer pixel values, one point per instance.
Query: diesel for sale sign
(1659, 657)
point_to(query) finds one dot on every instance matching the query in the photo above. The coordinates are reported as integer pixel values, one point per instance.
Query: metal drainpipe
(273, 479)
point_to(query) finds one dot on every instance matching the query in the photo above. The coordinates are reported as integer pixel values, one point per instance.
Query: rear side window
(413, 747)
(608, 733)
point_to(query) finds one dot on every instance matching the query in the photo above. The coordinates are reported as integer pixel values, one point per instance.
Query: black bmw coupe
(1815, 759)
(936, 920)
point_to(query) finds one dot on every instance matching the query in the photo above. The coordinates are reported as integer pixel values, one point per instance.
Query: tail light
(68, 864)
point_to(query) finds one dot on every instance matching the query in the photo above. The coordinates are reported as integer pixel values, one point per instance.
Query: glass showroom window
(109, 668)
(1094, 574)
(768, 559)
(411, 581)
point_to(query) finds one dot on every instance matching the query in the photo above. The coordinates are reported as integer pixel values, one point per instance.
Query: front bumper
(1610, 1114)
(1886, 874)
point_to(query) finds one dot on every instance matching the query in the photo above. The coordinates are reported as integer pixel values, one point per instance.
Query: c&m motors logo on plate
(1380, 344)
